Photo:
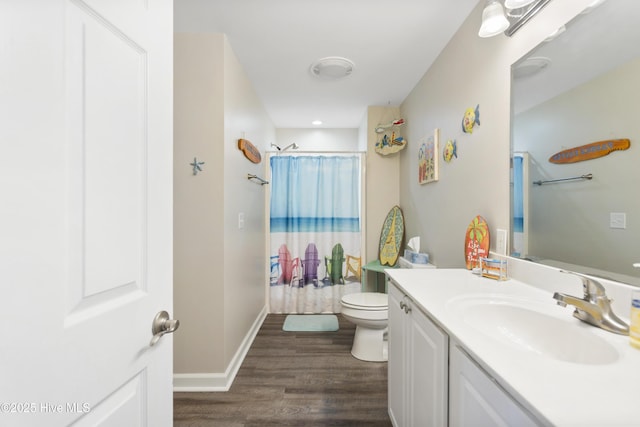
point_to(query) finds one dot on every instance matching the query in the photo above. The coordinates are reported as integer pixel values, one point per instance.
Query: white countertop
(559, 393)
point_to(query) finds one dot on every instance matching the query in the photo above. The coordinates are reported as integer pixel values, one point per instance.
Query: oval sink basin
(520, 323)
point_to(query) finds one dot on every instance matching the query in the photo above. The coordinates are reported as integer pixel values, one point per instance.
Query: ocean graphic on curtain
(315, 232)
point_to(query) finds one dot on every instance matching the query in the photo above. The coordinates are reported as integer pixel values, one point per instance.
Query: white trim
(220, 381)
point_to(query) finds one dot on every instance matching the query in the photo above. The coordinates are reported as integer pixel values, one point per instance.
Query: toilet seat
(369, 301)
(369, 311)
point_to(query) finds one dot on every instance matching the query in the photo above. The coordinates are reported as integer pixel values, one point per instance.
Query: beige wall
(198, 211)
(219, 272)
(244, 249)
(469, 71)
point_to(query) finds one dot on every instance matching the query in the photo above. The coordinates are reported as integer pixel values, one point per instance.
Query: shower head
(293, 146)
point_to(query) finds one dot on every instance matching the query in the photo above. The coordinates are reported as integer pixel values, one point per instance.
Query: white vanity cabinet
(418, 365)
(476, 400)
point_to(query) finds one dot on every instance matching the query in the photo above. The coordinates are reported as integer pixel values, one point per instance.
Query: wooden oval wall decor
(589, 151)
(249, 150)
(391, 237)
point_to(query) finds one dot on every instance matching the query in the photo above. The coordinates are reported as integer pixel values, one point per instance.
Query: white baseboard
(220, 381)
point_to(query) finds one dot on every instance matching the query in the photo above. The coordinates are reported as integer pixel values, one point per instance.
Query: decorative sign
(589, 151)
(249, 150)
(391, 237)
(476, 242)
(428, 154)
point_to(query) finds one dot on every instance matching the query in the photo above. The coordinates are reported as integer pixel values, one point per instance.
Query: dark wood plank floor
(294, 379)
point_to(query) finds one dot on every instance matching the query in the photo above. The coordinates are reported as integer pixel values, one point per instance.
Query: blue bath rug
(310, 323)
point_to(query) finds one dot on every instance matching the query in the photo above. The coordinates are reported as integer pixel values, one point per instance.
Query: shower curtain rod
(587, 176)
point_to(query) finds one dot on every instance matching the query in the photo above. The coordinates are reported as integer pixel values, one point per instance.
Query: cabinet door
(418, 366)
(476, 400)
(427, 373)
(397, 358)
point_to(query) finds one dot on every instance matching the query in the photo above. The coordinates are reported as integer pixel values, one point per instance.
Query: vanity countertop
(558, 392)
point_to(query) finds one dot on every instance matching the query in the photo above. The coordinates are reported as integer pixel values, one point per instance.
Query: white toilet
(369, 311)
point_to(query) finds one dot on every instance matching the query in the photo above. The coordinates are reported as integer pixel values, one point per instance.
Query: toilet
(369, 311)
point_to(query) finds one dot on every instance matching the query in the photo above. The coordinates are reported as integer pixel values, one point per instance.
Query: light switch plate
(501, 241)
(617, 220)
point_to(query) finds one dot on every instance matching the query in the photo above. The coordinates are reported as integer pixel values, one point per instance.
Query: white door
(85, 211)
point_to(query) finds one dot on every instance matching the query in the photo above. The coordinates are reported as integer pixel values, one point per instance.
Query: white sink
(533, 326)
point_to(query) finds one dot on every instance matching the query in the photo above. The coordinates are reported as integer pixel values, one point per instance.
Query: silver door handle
(162, 324)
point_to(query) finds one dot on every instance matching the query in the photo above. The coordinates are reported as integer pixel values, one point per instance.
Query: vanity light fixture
(493, 20)
(515, 4)
(518, 13)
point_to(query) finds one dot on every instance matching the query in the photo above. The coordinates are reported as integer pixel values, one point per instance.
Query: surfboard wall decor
(476, 242)
(391, 237)
(589, 151)
(249, 150)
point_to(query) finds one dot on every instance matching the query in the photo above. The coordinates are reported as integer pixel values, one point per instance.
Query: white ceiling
(391, 42)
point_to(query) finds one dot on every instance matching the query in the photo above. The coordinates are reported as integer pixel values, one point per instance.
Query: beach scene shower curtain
(315, 232)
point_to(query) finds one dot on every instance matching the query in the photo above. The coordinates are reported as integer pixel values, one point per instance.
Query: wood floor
(294, 379)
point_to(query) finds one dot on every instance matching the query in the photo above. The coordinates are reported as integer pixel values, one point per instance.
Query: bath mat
(310, 323)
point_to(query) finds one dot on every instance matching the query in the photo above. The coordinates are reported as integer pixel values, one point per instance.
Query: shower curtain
(315, 232)
(518, 205)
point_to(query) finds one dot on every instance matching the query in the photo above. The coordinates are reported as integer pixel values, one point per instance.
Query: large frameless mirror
(578, 87)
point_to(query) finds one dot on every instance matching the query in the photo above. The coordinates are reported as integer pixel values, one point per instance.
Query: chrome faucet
(594, 308)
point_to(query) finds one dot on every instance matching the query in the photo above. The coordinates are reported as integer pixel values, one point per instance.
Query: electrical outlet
(240, 220)
(618, 220)
(501, 241)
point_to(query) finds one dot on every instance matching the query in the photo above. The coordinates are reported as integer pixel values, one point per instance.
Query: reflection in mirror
(577, 87)
(519, 16)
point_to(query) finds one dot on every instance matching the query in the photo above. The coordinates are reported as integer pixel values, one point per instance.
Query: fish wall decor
(470, 119)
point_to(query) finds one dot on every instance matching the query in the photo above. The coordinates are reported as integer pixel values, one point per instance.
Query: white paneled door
(85, 211)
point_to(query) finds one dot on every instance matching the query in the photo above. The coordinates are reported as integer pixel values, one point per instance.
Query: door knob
(162, 324)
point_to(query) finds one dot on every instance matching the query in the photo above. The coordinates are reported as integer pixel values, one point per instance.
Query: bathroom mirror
(581, 85)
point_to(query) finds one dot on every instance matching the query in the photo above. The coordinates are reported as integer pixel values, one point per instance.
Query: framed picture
(428, 158)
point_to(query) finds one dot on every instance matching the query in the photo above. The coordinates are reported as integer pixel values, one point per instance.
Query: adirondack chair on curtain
(333, 265)
(310, 264)
(290, 267)
(354, 266)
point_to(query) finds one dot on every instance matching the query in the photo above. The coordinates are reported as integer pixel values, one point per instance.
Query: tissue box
(415, 257)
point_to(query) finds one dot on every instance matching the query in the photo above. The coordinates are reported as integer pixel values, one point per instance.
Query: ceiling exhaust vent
(332, 68)
(530, 67)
